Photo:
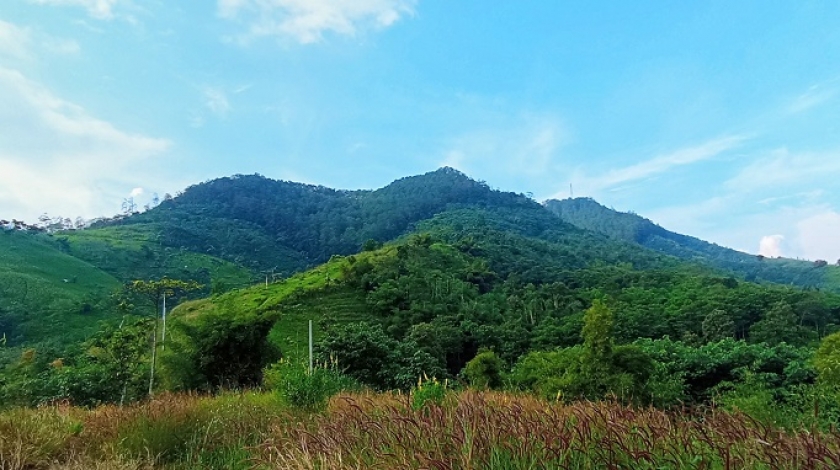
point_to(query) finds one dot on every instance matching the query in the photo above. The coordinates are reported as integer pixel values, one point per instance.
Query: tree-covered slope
(440, 302)
(266, 224)
(589, 215)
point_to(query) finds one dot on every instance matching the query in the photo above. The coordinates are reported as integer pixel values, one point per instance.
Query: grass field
(467, 430)
(57, 288)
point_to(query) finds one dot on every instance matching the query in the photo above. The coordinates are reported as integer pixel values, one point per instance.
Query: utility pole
(571, 191)
(163, 334)
(310, 347)
(154, 360)
(269, 273)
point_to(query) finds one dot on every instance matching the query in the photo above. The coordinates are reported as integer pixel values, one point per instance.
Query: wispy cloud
(815, 96)
(56, 157)
(781, 169)
(216, 100)
(14, 41)
(527, 146)
(306, 21)
(24, 43)
(99, 9)
(658, 165)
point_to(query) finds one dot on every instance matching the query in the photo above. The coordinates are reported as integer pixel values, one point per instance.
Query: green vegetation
(134, 252)
(587, 214)
(427, 287)
(46, 294)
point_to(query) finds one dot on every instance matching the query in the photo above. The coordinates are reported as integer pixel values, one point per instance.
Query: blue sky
(718, 119)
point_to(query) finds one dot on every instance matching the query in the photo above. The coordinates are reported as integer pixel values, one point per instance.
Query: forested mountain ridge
(265, 224)
(588, 214)
(235, 231)
(428, 305)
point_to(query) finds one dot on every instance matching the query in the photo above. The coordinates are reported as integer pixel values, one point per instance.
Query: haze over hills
(588, 214)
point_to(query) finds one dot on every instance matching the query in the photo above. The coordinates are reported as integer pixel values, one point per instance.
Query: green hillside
(134, 252)
(447, 300)
(47, 294)
(587, 214)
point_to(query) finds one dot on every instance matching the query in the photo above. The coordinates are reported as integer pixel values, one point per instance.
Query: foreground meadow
(464, 430)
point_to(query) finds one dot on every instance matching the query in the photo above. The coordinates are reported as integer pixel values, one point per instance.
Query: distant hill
(588, 214)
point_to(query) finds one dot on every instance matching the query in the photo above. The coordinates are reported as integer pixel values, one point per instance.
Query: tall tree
(156, 292)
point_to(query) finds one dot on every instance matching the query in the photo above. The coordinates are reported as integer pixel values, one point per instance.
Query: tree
(155, 292)
(223, 349)
(129, 206)
(112, 368)
(484, 370)
(827, 360)
(718, 325)
(779, 325)
(597, 336)
(365, 352)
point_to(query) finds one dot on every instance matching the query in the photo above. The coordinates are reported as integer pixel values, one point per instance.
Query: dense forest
(434, 277)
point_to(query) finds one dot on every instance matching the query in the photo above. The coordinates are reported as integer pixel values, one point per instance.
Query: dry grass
(489, 430)
(469, 430)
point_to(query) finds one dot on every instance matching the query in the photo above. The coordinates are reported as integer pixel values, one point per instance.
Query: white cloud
(815, 96)
(21, 43)
(137, 192)
(771, 246)
(62, 46)
(306, 21)
(99, 9)
(14, 41)
(654, 166)
(817, 236)
(55, 157)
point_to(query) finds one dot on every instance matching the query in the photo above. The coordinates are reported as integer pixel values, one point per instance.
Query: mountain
(588, 214)
(285, 227)
(414, 278)
(466, 281)
(236, 231)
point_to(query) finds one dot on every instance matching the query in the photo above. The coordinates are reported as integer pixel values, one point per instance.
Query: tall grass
(501, 431)
(463, 430)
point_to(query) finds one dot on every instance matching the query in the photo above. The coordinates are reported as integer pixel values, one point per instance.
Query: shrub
(484, 370)
(429, 391)
(299, 388)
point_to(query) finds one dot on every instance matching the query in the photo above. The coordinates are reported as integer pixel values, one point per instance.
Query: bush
(484, 370)
(299, 388)
(430, 391)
